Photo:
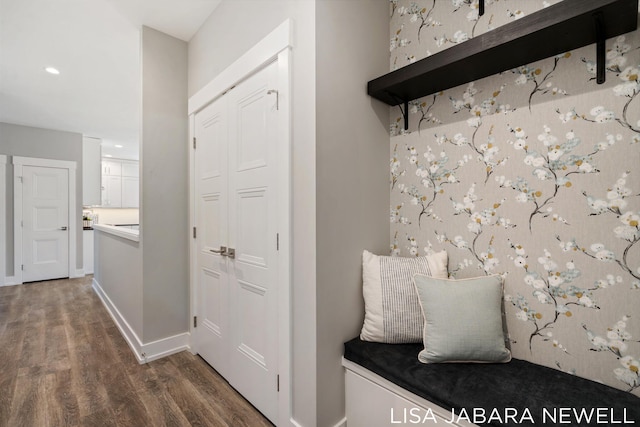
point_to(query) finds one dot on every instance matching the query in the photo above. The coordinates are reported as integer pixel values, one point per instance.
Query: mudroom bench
(387, 385)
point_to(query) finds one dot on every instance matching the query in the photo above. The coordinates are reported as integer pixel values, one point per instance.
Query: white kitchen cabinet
(87, 251)
(130, 169)
(120, 183)
(112, 191)
(91, 176)
(111, 167)
(130, 192)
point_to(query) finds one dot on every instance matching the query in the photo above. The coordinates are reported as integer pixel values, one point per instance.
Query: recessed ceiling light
(118, 146)
(52, 70)
(108, 155)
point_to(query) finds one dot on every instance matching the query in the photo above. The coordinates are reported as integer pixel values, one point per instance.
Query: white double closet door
(236, 210)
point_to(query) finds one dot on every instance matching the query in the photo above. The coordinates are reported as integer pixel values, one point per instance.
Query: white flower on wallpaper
(540, 81)
(626, 229)
(556, 162)
(473, 11)
(486, 151)
(397, 41)
(397, 217)
(423, 108)
(550, 285)
(433, 175)
(615, 57)
(395, 246)
(516, 14)
(628, 88)
(395, 167)
(479, 221)
(420, 16)
(472, 15)
(615, 341)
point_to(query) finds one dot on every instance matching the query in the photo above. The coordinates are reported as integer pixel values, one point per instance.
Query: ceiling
(95, 44)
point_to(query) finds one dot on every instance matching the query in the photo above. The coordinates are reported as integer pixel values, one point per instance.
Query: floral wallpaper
(534, 174)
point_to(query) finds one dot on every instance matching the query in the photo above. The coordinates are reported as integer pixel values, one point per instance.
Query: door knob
(63, 228)
(222, 251)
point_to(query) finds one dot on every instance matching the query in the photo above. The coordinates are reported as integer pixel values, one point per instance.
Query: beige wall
(164, 190)
(352, 148)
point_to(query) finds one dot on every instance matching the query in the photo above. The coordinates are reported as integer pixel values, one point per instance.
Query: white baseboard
(166, 346)
(125, 329)
(144, 352)
(294, 423)
(10, 281)
(76, 273)
(341, 423)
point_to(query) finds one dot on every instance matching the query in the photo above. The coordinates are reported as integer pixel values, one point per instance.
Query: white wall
(24, 141)
(164, 183)
(352, 176)
(3, 234)
(118, 271)
(233, 28)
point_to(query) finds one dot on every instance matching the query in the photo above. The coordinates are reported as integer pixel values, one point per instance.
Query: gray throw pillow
(463, 320)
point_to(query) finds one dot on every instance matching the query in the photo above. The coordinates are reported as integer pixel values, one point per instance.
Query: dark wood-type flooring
(63, 362)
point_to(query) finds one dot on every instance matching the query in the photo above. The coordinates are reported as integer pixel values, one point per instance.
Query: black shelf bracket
(601, 61)
(404, 111)
(405, 114)
(481, 8)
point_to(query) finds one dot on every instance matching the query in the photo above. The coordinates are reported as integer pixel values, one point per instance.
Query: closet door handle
(222, 251)
(231, 253)
(63, 228)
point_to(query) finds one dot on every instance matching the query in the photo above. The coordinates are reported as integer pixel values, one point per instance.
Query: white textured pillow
(392, 309)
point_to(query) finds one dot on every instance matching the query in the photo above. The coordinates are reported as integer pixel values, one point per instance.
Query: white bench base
(372, 401)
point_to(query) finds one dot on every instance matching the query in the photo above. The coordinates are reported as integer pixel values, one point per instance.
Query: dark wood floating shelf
(562, 27)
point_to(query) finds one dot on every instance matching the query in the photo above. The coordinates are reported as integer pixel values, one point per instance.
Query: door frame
(3, 219)
(275, 47)
(18, 164)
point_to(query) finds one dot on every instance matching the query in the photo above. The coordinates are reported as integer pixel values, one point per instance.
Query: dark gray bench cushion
(519, 384)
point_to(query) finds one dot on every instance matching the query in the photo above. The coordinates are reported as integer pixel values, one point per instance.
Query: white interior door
(253, 276)
(210, 182)
(45, 223)
(236, 214)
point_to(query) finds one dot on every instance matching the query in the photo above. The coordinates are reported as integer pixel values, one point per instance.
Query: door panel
(210, 191)
(252, 241)
(252, 233)
(45, 232)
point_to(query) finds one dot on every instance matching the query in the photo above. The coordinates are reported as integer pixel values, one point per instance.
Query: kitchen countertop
(125, 233)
